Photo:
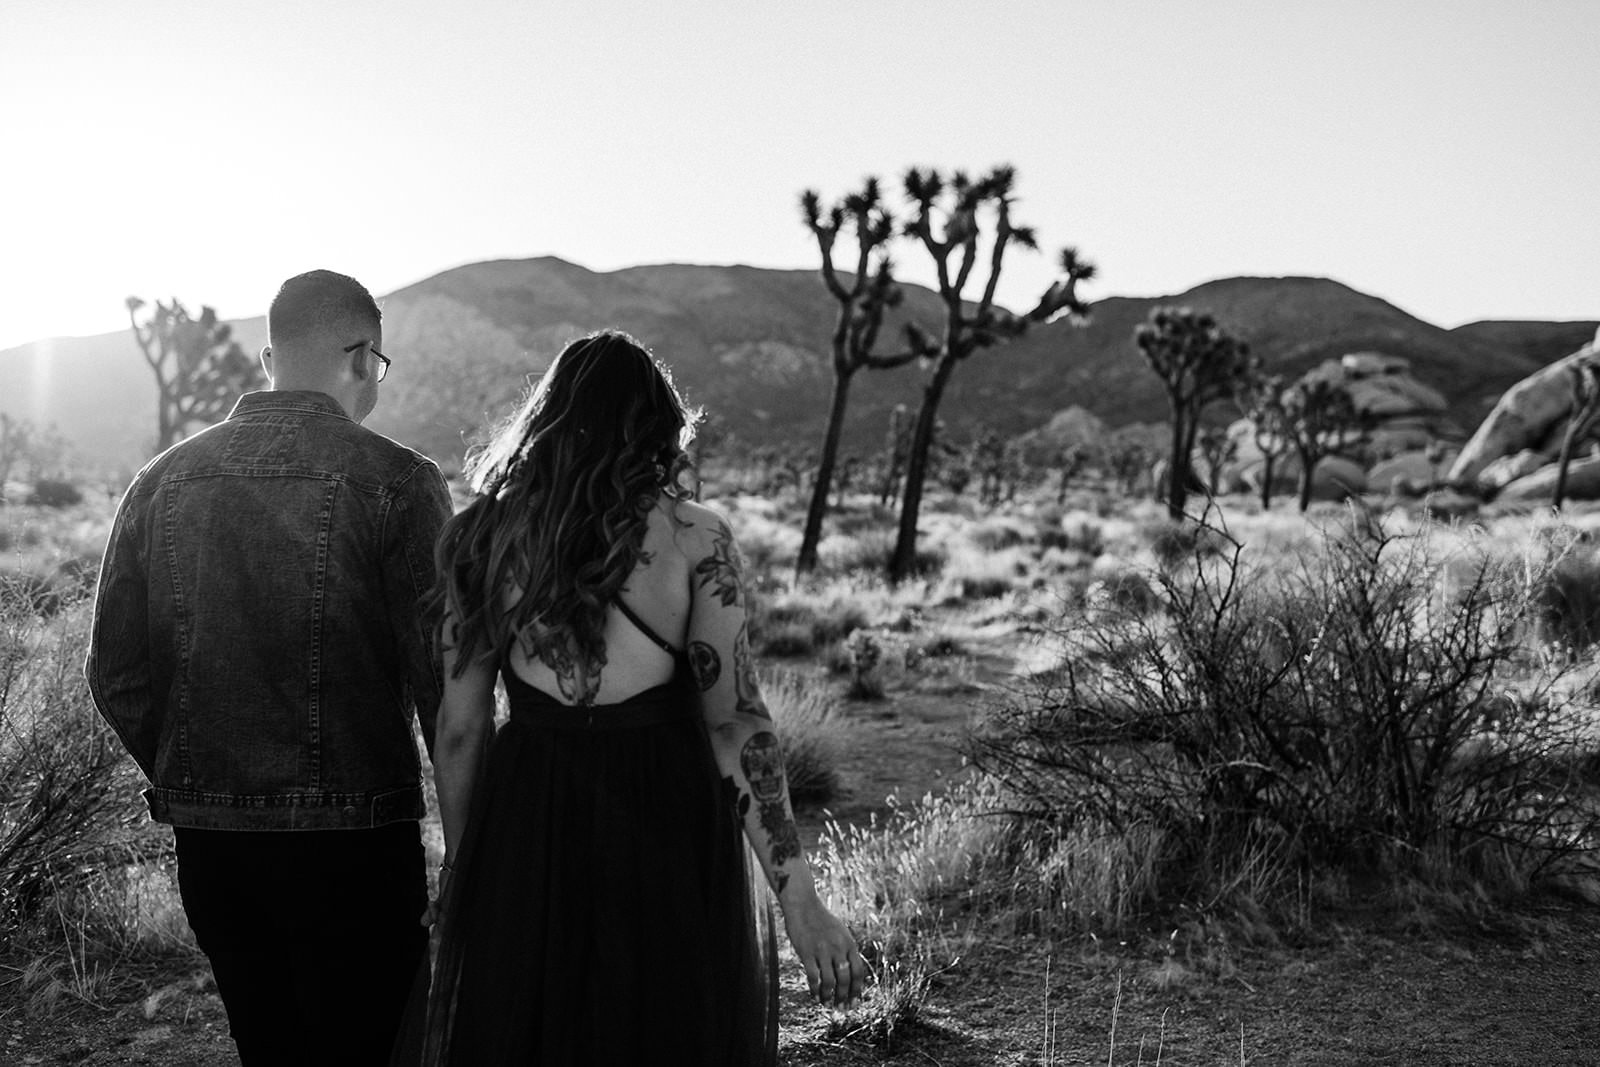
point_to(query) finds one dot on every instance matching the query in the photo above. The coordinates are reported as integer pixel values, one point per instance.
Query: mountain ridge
(751, 345)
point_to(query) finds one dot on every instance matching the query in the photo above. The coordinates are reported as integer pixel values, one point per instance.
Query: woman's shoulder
(694, 526)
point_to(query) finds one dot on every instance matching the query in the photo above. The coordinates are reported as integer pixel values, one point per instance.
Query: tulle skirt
(601, 910)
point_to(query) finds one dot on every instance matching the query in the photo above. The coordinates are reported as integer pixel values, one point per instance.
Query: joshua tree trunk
(819, 492)
(1177, 471)
(905, 545)
(1308, 466)
(1267, 464)
(1585, 382)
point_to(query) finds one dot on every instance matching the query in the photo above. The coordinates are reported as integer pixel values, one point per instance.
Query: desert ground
(882, 688)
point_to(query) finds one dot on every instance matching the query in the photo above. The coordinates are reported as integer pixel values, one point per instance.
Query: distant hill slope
(1541, 342)
(751, 345)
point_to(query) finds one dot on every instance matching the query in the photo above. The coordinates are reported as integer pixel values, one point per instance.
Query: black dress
(600, 909)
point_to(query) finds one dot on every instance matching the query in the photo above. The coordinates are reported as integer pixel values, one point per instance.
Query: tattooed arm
(466, 719)
(745, 744)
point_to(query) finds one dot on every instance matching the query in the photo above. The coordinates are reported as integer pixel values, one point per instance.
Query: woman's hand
(430, 915)
(834, 968)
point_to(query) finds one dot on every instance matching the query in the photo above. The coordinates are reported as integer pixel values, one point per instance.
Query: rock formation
(1406, 416)
(1524, 432)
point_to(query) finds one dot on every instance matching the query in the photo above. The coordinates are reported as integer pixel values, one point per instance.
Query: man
(259, 645)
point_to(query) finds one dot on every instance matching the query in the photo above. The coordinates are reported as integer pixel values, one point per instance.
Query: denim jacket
(258, 642)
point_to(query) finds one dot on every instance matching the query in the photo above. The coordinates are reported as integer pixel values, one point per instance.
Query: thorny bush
(1365, 708)
(64, 781)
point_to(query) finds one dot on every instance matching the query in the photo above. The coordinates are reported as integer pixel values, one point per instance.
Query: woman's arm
(466, 716)
(745, 745)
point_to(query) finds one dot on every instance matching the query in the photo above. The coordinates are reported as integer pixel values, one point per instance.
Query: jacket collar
(300, 401)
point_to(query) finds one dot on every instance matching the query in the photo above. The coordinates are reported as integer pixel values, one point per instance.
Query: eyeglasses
(383, 360)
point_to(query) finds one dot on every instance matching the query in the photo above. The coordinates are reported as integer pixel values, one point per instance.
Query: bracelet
(445, 868)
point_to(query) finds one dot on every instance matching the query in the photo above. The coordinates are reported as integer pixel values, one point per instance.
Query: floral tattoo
(720, 570)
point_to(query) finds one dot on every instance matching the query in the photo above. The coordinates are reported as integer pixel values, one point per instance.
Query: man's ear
(360, 363)
(266, 361)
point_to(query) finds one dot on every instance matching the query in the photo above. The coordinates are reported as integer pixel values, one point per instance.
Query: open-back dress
(600, 909)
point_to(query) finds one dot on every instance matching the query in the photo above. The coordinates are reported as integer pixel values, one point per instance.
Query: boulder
(1337, 478)
(1413, 468)
(1395, 396)
(1527, 417)
(1248, 475)
(1507, 469)
(1073, 426)
(1371, 364)
(1448, 504)
(1583, 483)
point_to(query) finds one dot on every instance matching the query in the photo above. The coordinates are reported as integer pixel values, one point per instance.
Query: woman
(596, 903)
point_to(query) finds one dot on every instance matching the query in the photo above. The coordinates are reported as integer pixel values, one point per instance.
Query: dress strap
(644, 627)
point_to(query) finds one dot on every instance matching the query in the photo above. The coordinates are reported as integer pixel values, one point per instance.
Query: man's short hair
(321, 303)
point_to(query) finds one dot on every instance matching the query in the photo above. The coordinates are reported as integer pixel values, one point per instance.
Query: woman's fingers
(858, 973)
(813, 974)
(827, 980)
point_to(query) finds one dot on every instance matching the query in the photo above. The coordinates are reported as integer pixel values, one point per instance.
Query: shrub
(869, 550)
(837, 620)
(785, 640)
(1568, 598)
(796, 624)
(972, 574)
(995, 533)
(54, 493)
(63, 774)
(938, 646)
(1078, 531)
(1339, 715)
(809, 724)
(1121, 588)
(897, 884)
(1174, 543)
(865, 654)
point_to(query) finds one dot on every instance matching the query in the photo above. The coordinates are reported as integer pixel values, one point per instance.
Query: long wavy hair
(564, 491)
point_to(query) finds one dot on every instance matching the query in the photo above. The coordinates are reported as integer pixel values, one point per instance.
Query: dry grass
(812, 732)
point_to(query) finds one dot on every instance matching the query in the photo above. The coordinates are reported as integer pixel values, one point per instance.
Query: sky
(1442, 155)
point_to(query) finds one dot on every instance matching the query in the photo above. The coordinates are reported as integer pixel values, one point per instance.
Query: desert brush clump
(902, 886)
(1335, 714)
(800, 621)
(1568, 600)
(973, 573)
(813, 734)
(85, 884)
(864, 654)
(869, 550)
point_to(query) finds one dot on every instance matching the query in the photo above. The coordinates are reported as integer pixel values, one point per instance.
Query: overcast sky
(1443, 155)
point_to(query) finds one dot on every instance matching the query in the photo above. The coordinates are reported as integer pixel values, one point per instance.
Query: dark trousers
(313, 935)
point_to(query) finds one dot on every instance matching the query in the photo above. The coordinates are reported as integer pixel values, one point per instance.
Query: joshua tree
(1264, 408)
(1320, 419)
(988, 462)
(200, 370)
(1070, 462)
(947, 220)
(14, 437)
(862, 303)
(1128, 459)
(794, 466)
(1218, 449)
(1584, 379)
(849, 467)
(1198, 364)
(896, 447)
